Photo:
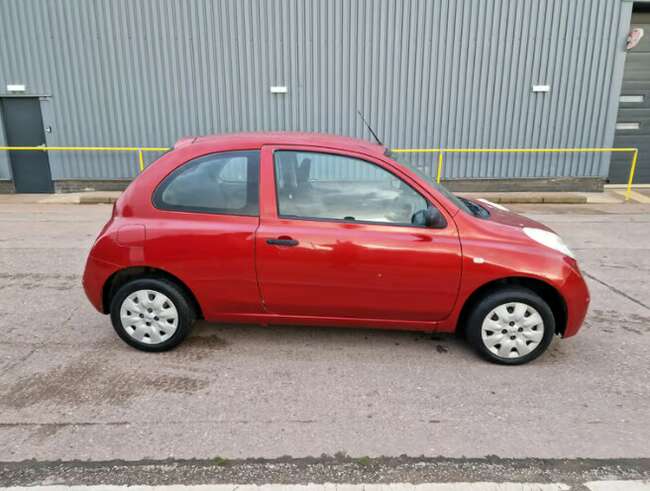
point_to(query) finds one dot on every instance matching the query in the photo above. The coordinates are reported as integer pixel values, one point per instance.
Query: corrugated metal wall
(426, 73)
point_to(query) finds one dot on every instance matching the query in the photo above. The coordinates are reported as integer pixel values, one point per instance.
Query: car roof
(259, 139)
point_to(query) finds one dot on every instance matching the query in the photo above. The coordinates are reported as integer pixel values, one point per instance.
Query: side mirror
(431, 217)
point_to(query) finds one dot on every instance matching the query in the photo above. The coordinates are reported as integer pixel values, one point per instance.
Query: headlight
(548, 239)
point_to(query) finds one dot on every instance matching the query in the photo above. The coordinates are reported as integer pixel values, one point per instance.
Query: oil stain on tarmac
(93, 379)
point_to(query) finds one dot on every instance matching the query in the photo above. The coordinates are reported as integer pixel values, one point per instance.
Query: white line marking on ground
(638, 197)
(618, 485)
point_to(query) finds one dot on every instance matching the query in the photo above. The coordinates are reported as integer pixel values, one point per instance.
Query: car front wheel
(511, 326)
(151, 314)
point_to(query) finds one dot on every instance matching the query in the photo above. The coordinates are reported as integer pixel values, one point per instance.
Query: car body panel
(494, 251)
(375, 272)
(213, 254)
(509, 218)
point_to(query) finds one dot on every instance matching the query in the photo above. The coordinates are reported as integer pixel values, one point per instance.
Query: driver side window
(319, 185)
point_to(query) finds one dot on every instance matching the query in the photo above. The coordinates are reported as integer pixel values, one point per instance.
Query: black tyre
(511, 326)
(151, 314)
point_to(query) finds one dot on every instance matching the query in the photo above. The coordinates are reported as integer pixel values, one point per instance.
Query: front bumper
(577, 298)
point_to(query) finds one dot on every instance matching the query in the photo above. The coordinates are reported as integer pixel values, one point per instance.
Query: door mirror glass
(429, 217)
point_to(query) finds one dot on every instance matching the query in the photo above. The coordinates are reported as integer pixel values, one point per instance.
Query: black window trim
(343, 220)
(158, 203)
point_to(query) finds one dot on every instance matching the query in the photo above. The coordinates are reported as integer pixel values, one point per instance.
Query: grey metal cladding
(426, 73)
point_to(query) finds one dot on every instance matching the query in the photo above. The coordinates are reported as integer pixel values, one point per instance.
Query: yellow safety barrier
(442, 151)
(139, 150)
(439, 151)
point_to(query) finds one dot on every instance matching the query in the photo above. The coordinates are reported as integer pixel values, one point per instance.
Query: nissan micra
(310, 229)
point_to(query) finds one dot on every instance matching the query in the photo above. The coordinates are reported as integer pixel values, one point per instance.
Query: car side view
(311, 229)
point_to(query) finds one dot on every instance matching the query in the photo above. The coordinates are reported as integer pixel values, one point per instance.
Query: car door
(335, 240)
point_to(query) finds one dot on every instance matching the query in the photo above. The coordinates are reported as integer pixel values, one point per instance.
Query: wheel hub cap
(149, 316)
(512, 330)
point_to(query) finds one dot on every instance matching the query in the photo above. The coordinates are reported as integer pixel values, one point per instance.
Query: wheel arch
(121, 277)
(544, 290)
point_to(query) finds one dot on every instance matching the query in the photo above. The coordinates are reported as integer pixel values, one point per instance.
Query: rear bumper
(96, 274)
(577, 298)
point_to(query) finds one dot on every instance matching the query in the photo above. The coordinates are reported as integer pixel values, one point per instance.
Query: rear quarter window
(221, 183)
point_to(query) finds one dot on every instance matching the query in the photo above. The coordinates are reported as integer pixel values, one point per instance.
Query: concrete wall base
(558, 184)
(80, 185)
(7, 187)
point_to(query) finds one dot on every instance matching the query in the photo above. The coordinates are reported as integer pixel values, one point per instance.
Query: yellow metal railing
(139, 150)
(442, 151)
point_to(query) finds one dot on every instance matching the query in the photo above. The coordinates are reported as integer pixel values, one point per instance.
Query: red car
(311, 229)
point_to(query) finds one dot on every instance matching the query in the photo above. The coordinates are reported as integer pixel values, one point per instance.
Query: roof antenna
(369, 128)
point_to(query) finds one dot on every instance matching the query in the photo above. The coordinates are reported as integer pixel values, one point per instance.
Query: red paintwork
(342, 274)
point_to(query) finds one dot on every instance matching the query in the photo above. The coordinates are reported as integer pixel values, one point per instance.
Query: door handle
(283, 241)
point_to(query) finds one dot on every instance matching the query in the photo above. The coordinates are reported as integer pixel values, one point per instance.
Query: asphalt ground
(71, 390)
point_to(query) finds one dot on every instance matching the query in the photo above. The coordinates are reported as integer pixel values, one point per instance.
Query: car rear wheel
(511, 326)
(151, 314)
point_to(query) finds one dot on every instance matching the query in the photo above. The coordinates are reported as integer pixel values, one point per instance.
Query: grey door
(23, 124)
(633, 121)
